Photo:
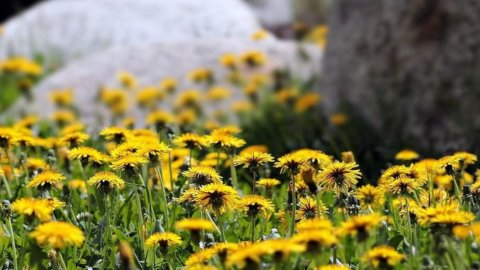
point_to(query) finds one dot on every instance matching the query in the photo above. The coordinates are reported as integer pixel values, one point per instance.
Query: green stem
(294, 208)
(253, 229)
(165, 205)
(233, 173)
(61, 260)
(14, 247)
(7, 186)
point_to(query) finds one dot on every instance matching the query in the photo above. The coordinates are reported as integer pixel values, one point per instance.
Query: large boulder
(273, 13)
(152, 63)
(62, 30)
(410, 68)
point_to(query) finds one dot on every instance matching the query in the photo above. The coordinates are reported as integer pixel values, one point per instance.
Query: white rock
(153, 63)
(62, 30)
(273, 12)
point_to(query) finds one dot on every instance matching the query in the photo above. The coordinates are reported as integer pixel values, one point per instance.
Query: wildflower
(281, 249)
(254, 205)
(339, 176)
(34, 208)
(252, 160)
(402, 186)
(77, 184)
(106, 181)
(149, 97)
(383, 257)
(168, 85)
(360, 226)
(202, 175)
(160, 119)
(247, 258)
(339, 119)
(126, 255)
(73, 139)
(316, 239)
(417, 173)
(229, 61)
(127, 79)
(116, 134)
(223, 139)
(253, 58)
(406, 155)
(217, 198)
(7, 137)
(163, 240)
(88, 155)
(315, 224)
(447, 214)
(129, 164)
(201, 75)
(188, 99)
(259, 35)
(58, 234)
(309, 209)
(268, 182)
(393, 173)
(200, 258)
(154, 151)
(188, 196)
(191, 141)
(218, 93)
(186, 117)
(370, 196)
(62, 98)
(195, 226)
(290, 162)
(307, 102)
(45, 180)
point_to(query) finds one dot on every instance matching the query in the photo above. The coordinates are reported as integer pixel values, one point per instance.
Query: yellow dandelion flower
(195, 224)
(370, 196)
(88, 155)
(127, 79)
(315, 240)
(361, 226)
(163, 240)
(229, 61)
(309, 209)
(254, 205)
(403, 186)
(259, 35)
(46, 180)
(216, 198)
(268, 182)
(34, 208)
(202, 175)
(129, 164)
(106, 181)
(78, 184)
(290, 162)
(315, 224)
(168, 85)
(57, 234)
(339, 119)
(307, 101)
(253, 58)
(73, 139)
(201, 75)
(116, 134)
(62, 97)
(218, 93)
(252, 160)
(339, 176)
(383, 257)
(191, 141)
(406, 155)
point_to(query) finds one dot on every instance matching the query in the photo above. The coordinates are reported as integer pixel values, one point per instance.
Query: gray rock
(273, 12)
(152, 63)
(62, 30)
